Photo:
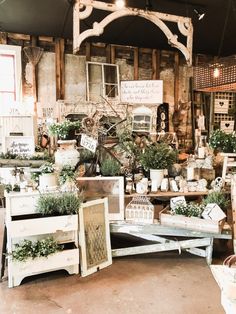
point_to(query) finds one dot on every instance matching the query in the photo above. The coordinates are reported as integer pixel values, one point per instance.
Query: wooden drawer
(22, 205)
(30, 227)
(55, 261)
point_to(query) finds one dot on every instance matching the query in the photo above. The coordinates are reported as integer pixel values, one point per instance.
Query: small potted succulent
(156, 158)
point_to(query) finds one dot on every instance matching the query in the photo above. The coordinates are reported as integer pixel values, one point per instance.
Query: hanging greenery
(41, 248)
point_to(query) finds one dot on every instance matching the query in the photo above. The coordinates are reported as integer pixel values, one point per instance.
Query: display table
(197, 243)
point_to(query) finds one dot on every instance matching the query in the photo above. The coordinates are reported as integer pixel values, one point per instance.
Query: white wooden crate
(190, 223)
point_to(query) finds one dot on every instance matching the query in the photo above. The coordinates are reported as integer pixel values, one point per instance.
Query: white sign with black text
(19, 145)
(142, 92)
(88, 142)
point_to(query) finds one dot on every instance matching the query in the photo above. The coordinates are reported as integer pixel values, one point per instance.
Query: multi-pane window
(102, 81)
(7, 78)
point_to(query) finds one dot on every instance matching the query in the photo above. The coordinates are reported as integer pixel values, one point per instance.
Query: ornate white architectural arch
(84, 8)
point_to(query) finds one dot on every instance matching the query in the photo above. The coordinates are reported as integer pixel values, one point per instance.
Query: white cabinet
(64, 229)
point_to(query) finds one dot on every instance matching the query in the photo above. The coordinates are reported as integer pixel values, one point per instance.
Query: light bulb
(216, 72)
(120, 4)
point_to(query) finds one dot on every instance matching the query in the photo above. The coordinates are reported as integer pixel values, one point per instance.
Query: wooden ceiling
(214, 34)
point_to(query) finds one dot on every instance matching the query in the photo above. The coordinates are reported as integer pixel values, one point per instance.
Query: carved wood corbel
(84, 8)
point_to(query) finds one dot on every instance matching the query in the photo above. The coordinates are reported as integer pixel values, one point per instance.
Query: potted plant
(47, 177)
(156, 158)
(65, 130)
(87, 162)
(67, 177)
(223, 142)
(110, 167)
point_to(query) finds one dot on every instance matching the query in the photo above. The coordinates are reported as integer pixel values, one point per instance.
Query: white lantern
(142, 119)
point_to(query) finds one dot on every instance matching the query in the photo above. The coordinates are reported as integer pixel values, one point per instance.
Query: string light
(216, 72)
(120, 4)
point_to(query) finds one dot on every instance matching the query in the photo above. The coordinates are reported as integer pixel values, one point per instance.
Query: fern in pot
(156, 158)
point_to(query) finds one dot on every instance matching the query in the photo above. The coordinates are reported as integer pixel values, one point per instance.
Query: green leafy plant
(69, 204)
(158, 156)
(188, 210)
(56, 205)
(110, 167)
(41, 248)
(86, 156)
(218, 198)
(47, 205)
(67, 172)
(63, 129)
(47, 167)
(223, 142)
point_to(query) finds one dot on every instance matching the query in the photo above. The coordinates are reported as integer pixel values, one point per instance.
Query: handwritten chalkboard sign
(19, 145)
(142, 92)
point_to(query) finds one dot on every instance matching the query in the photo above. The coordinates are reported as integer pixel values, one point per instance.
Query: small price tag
(88, 142)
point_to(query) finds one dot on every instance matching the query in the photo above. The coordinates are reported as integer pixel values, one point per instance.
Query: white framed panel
(94, 236)
(110, 187)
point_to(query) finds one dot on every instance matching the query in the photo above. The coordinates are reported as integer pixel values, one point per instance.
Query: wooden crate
(190, 223)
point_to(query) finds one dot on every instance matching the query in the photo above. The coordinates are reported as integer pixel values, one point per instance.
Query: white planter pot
(47, 180)
(157, 175)
(67, 154)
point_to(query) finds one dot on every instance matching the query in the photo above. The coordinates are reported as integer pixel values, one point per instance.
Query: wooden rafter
(84, 8)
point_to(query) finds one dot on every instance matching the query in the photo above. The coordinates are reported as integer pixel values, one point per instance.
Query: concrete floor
(157, 283)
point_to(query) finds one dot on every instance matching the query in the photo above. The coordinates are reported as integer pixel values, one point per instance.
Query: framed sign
(94, 236)
(142, 92)
(19, 145)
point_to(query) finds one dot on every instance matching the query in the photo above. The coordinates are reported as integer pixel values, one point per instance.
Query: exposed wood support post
(136, 63)
(156, 58)
(176, 81)
(88, 52)
(113, 54)
(108, 53)
(60, 68)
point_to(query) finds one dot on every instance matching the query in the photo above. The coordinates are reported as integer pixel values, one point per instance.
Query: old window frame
(15, 52)
(102, 83)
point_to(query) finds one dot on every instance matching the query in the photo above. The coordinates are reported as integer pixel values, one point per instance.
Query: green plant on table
(63, 129)
(67, 172)
(217, 197)
(158, 156)
(41, 248)
(188, 210)
(222, 141)
(110, 167)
